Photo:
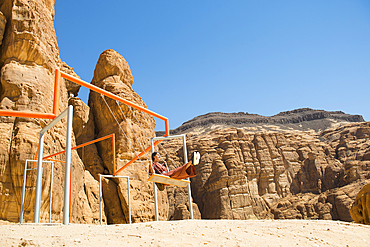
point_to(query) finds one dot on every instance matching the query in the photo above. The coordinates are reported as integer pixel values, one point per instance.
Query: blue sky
(194, 57)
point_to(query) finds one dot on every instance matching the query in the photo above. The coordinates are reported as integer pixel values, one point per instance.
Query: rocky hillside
(304, 119)
(291, 165)
(292, 175)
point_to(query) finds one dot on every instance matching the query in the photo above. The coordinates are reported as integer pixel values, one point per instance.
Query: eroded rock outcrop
(360, 209)
(132, 131)
(333, 204)
(260, 170)
(2, 27)
(281, 174)
(28, 57)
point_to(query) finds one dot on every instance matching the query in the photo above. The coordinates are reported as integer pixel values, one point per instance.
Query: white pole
(39, 161)
(51, 191)
(39, 179)
(23, 190)
(129, 201)
(154, 186)
(189, 188)
(101, 195)
(100, 200)
(67, 179)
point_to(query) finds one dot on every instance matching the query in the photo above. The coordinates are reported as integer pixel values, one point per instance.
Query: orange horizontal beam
(136, 158)
(116, 97)
(40, 115)
(110, 95)
(82, 145)
(56, 160)
(27, 114)
(127, 102)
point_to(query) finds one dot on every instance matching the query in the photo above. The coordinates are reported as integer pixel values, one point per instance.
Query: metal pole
(39, 179)
(39, 161)
(55, 121)
(101, 195)
(189, 188)
(100, 200)
(154, 186)
(23, 190)
(51, 190)
(129, 201)
(67, 179)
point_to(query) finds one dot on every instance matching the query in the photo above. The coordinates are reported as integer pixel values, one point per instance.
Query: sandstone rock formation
(2, 27)
(29, 56)
(247, 174)
(105, 116)
(360, 209)
(286, 166)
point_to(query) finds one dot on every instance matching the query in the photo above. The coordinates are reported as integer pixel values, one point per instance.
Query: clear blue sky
(193, 57)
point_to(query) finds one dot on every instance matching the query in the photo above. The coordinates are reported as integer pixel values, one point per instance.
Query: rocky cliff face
(282, 175)
(28, 57)
(262, 167)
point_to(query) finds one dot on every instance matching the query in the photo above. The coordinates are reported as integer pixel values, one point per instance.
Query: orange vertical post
(114, 153)
(167, 127)
(56, 92)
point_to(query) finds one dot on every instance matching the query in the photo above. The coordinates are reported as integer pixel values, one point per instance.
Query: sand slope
(191, 233)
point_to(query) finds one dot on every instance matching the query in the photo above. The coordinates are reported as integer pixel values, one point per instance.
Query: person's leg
(185, 171)
(194, 160)
(188, 164)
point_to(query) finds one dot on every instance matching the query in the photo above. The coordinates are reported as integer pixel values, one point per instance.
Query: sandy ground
(191, 233)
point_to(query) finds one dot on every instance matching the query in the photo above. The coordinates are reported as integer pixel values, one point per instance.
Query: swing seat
(162, 179)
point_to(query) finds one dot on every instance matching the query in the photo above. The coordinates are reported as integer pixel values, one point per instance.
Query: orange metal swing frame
(54, 114)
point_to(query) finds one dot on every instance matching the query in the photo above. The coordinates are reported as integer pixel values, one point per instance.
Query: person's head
(156, 156)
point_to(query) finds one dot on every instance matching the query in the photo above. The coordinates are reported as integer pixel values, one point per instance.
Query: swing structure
(159, 178)
(155, 178)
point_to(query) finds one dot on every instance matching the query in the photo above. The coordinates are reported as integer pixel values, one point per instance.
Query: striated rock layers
(281, 175)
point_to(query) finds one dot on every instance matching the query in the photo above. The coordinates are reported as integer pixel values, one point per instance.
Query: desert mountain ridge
(302, 119)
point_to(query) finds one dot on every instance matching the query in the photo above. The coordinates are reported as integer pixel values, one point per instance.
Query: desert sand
(190, 233)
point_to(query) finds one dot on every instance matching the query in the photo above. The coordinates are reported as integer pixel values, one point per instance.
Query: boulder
(360, 208)
(132, 131)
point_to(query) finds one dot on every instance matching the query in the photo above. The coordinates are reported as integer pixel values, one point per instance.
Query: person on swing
(185, 171)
